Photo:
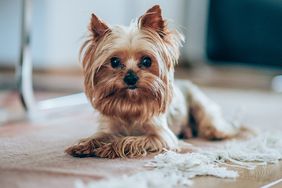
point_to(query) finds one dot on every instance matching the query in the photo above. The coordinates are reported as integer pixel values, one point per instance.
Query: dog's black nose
(130, 78)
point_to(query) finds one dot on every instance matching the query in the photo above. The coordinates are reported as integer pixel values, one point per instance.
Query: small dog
(129, 79)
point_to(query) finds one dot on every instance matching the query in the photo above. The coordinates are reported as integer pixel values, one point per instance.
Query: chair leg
(24, 66)
(24, 73)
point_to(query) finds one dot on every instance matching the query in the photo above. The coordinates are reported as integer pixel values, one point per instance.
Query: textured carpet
(31, 152)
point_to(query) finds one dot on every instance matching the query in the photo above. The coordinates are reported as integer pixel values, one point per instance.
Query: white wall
(58, 26)
(9, 30)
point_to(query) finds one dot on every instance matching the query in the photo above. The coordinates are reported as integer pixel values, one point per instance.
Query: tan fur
(134, 123)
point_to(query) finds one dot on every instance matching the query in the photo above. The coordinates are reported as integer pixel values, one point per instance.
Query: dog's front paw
(82, 149)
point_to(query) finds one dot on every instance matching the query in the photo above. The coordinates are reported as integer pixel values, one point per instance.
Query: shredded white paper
(259, 150)
(148, 179)
(173, 169)
(189, 165)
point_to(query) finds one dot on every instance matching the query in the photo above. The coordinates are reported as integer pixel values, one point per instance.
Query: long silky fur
(132, 123)
(156, 93)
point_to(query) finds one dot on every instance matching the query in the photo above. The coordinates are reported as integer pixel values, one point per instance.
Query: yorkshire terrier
(129, 79)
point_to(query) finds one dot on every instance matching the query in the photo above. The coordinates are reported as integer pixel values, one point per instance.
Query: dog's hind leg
(207, 115)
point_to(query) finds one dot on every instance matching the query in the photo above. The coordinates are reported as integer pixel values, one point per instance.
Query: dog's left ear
(152, 19)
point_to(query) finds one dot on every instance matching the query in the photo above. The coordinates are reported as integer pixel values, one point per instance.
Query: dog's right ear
(97, 27)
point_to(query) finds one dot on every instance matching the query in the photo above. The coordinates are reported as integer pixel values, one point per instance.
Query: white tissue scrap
(259, 150)
(190, 165)
(170, 169)
(148, 179)
(173, 169)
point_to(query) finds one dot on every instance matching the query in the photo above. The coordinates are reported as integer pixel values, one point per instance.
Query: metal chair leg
(24, 73)
(24, 66)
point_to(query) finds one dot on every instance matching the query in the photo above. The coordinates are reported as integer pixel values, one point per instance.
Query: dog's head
(129, 70)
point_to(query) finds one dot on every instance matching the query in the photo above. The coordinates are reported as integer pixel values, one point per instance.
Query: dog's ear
(97, 27)
(152, 19)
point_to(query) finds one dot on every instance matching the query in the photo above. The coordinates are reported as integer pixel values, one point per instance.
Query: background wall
(9, 30)
(58, 27)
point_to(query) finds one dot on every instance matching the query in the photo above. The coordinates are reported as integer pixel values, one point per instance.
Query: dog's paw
(107, 151)
(82, 149)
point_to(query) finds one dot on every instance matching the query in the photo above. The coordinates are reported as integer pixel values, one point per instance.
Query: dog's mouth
(132, 87)
(121, 91)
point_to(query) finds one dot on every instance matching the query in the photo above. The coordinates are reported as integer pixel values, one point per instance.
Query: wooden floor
(31, 150)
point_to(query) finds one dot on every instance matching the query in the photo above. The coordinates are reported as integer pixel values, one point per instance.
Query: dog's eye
(115, 62)
(145, 62)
